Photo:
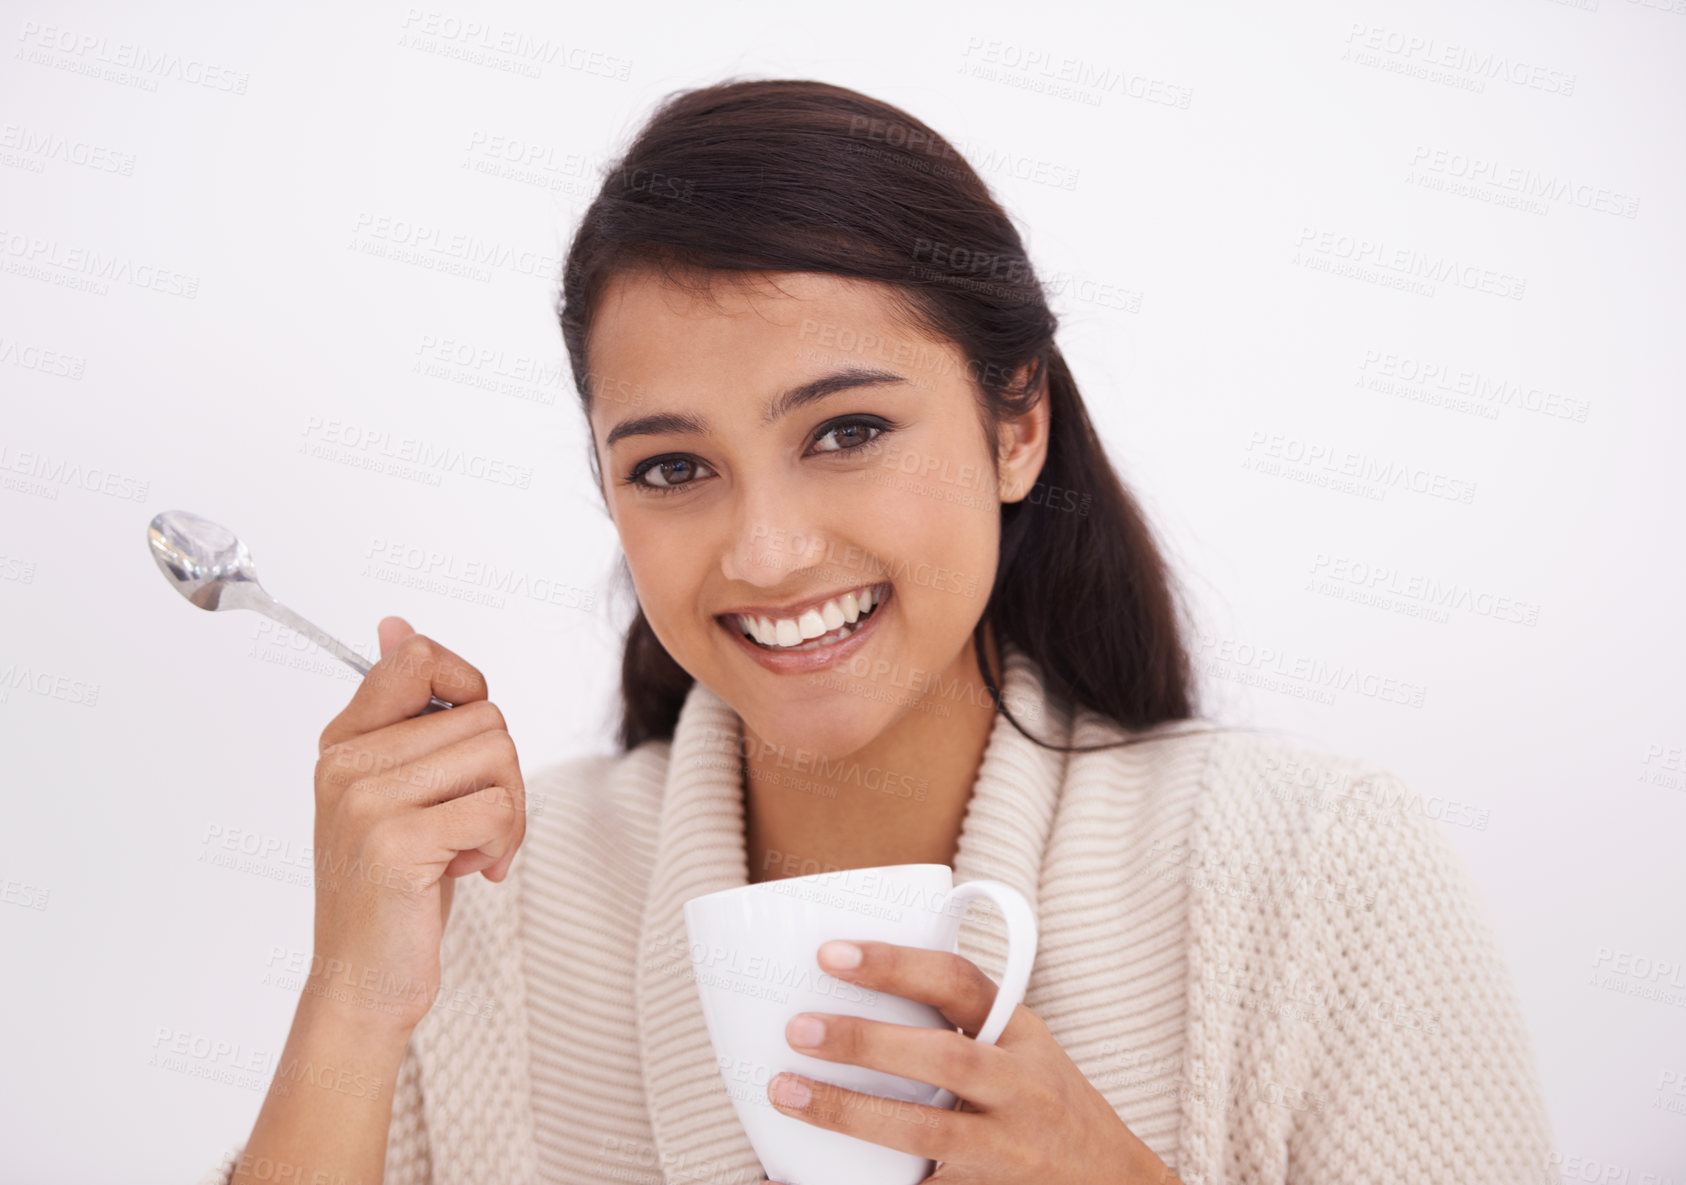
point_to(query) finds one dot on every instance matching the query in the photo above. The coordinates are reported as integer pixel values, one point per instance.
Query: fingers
(980, 1074)
(398, 686)
(386, 749)
(491, 821)
(424, 760)
(907, 1127)
(498, 871)
(951, 984)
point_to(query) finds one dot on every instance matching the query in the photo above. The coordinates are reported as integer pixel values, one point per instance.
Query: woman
(894, 606)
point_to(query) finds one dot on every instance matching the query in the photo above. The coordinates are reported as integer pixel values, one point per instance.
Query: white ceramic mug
(754, 953)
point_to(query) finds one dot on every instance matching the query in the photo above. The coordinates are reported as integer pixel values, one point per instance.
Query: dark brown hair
(799, 176)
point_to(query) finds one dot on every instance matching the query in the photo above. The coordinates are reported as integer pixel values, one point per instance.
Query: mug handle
(1021, 953)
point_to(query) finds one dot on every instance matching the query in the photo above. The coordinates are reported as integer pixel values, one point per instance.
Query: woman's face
(771, 456)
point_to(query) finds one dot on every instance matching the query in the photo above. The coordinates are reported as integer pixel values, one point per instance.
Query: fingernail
(843, 955)
(790, 1092)
(805, 1030)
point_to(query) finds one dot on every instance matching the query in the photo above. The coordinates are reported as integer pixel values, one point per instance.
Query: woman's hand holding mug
(404, 803)
(1029, 1115)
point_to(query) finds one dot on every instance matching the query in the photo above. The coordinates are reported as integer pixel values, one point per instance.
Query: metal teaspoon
(210, 566)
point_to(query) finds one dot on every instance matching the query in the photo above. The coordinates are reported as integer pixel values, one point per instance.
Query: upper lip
(798, 608)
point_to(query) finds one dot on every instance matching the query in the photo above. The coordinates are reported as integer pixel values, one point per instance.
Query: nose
(772, 536)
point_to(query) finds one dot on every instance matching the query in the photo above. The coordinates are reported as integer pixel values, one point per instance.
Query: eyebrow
(686, 423)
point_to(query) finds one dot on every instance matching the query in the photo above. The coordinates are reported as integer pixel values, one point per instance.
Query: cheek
(665, 565)
(942, 538)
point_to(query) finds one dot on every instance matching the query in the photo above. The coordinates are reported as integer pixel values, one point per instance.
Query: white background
(237, 326)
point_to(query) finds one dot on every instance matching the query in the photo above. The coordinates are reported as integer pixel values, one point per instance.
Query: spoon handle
(276, 611)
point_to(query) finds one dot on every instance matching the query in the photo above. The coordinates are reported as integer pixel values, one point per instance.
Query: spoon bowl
(210, 566)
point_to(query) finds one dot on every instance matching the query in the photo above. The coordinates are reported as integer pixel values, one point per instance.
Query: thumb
(391, 631)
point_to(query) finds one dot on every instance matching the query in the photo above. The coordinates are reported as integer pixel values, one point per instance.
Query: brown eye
(667, 473)
(851, 433)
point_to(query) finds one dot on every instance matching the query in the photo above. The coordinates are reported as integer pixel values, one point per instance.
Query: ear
(1022, 444)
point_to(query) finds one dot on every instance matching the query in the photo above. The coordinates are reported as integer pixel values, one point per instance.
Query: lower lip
(798, 662)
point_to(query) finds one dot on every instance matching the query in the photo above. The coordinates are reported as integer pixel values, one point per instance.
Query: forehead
(639, 303)
(649, 331)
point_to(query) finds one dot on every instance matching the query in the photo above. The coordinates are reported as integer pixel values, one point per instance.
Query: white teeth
(819, 626)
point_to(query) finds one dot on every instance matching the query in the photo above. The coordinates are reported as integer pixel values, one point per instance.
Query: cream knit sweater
(1270, 963)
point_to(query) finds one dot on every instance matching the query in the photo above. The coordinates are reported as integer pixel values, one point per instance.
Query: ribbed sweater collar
(700, 848)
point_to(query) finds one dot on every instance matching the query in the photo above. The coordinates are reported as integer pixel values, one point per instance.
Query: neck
(900, 799)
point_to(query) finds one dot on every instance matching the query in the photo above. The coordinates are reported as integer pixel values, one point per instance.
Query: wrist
(328, 1017)
(341, 1001)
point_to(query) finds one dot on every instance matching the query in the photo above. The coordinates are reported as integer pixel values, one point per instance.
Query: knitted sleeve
(407, 1156)
(1421, 1068)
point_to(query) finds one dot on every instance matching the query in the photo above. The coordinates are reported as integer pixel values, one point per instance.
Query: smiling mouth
(824, 625)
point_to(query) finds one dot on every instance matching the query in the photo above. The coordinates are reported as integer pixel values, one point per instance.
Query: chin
(828, 725)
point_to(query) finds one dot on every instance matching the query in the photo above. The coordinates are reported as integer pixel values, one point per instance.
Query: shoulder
(1256, 788)
(1282, 825)
(1335, 923)
(1342, 844)
(1288, 791)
